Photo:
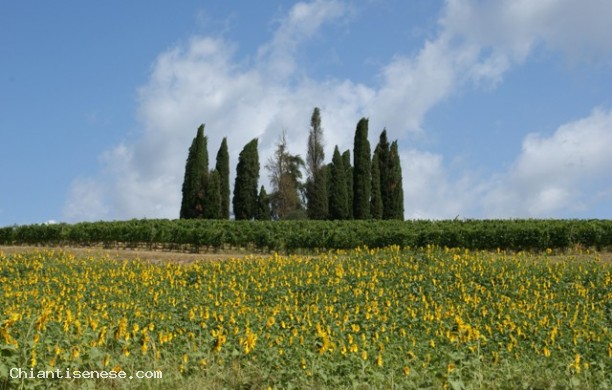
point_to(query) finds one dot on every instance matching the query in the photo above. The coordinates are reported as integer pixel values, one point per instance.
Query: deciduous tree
(285, 175)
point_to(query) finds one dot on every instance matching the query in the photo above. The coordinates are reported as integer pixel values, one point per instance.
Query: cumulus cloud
(87, 201)
(277, 58)
(430, 192)
(555, 174)
(204, 80)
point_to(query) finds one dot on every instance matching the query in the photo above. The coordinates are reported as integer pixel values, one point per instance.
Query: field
(366, 318)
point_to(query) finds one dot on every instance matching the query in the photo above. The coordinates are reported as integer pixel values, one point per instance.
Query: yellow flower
(271, 321)
(406, 370)
(33, 359)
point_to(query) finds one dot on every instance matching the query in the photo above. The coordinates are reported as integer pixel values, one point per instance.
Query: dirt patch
(159, 256)
(127, 254)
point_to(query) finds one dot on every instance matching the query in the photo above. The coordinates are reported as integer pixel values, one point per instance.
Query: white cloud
(304, 20)
(556, 174)
(430, 193)
(513, 28)
(477, 43)
(202, 82)
(86, 201)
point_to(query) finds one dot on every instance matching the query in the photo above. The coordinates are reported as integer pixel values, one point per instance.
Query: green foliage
(384, 164)
(263, 206)
(388, 177)
(285, 176)
(222, 166)
(245, 185)
(366, 318)
(362, 183)
(517, 235)
(338, 198)
(316, 195)
(348, 168)
(212, 197)
(376, 200)
(316, 184)
(196, 172)
(395, 208)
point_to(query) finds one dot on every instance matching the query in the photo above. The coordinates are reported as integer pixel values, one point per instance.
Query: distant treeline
(198, 234)
(368, 188)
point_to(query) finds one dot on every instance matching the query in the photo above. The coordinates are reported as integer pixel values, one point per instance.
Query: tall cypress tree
(263, 212)
(338, 198)
(196, 173)
(316, 191)
(222, 166)
(348, 169)
(245, 185)
(384, 165)
(376, 204)
(212, 197)
(395, 184)
(362, 183)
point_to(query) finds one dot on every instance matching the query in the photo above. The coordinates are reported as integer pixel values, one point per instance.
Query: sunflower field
(366, 318)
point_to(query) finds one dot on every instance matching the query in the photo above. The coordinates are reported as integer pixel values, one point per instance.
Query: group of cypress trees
(371, 188)
(205, 193)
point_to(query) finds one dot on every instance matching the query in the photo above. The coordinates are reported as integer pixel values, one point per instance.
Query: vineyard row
(295, 235)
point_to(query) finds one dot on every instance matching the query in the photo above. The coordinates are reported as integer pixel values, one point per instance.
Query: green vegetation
(316, 184)
(366, 318)
(338, 197)
(313, 235)
(245, 185)
(373, 185)
(196, 172)
(223, 168)
(362, 180)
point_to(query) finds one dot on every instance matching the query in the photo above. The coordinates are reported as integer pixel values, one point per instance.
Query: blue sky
(502, 109)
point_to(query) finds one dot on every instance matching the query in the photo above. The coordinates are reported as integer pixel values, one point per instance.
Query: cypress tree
(222, 166)
(376, 204)
(316, 191)
(384, 165)
(395, 184)
(212, 198)
(263, 212)
(338, 199)
(362, 183)
(194, 182)
(348, 169)
(245, 185)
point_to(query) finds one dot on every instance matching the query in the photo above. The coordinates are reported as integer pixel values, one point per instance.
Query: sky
(501, 108)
